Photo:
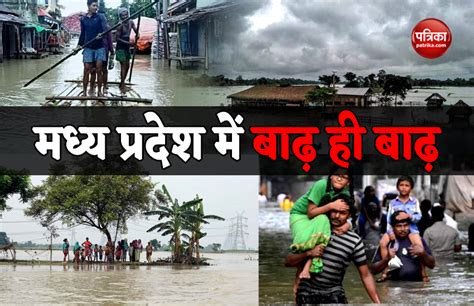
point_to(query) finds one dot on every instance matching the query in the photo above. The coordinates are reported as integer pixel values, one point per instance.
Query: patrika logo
(431, 38)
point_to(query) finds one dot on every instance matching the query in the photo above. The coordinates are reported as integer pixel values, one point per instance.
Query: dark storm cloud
(316, 37)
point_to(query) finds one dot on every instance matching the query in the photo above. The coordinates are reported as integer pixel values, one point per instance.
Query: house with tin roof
(296, 95)
(349, 96)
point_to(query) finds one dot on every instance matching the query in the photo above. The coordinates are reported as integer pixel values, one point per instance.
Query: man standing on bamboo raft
(92, 25)
(123, 45)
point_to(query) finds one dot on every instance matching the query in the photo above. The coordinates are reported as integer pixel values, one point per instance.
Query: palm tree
(178, 218)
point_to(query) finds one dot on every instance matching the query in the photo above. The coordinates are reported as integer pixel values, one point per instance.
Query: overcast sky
(308, 38)
(224, 196)
(74, 6)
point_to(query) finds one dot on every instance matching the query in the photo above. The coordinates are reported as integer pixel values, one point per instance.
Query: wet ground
(450, 281)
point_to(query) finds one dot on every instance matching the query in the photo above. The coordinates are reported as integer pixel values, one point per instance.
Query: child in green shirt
(308, 221)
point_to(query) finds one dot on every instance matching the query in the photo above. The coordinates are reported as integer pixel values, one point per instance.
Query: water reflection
(231, 279)
(154, 79)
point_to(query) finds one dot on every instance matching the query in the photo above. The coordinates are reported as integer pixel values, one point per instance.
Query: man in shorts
(123, 45)
(92, 25)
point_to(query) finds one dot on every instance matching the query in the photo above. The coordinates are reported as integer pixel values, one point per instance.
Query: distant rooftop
(274, 93)
(348, 91)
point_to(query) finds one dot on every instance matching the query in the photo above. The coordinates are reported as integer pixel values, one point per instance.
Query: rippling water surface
(231, 279)
(153, 79)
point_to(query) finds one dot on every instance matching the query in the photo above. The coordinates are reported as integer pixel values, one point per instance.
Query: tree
(125, 3)
(381, 77)
(396, 85)
(352, 80)
(178, 219)
(369, 81)
(156, 244)
(329, 79)
(196, 232)
(102, 6)
(187, 217)
(216, 247)
(139, 4)
(98, 201)
(350, 76)
(320, 95)
(14, 184)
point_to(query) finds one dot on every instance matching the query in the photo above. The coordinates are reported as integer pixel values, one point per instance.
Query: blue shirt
(411, 269)
(412, 207)
(91, 26)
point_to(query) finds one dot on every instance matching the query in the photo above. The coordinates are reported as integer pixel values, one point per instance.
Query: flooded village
(206, 239)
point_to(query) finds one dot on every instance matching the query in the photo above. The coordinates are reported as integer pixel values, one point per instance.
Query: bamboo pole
(99, 36)
(135, 48)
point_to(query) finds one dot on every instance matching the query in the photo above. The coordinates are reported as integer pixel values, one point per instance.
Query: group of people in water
(325, 239)
(94, 253)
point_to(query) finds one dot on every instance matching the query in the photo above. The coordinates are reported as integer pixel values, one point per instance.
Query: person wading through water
(344, 246)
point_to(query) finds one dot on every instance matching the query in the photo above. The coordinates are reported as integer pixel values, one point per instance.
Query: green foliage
(156, 244)
(112, 13)
(216, 247)
(329, 79)
(97, 201)
(177, 219)
(138, 4)
(396, 85)
(14, 184)
(320, 95)
(353, 80)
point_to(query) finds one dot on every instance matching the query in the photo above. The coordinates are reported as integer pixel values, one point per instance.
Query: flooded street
(154, 79)
(229, 280)
(450, 282)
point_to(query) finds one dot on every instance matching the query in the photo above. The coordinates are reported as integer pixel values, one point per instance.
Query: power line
(237, 232)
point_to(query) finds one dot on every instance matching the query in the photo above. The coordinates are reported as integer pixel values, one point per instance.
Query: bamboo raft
(72, 95)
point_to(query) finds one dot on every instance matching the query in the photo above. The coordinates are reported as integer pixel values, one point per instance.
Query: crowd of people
(410, 236)
(110, 253)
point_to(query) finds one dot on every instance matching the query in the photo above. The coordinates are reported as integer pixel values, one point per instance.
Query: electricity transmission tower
(237, 233)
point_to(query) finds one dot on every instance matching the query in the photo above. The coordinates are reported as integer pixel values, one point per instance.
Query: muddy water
(154, 79)
(229, 280)
(450, 281)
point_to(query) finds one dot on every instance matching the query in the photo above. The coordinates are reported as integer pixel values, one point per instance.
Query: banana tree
(178, 218)
(196, 227)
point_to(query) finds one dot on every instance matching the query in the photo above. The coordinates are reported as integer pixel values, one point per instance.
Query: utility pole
(334, 87)
(237, 231)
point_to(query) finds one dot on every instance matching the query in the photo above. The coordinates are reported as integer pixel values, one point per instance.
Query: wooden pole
(206, 46)
(99, 36)
(51, 246)
(135, 48)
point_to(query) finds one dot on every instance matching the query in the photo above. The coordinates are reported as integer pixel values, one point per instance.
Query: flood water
(229, 280)
(450, 281)
(153, 79)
